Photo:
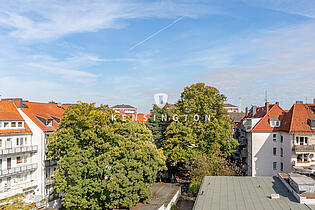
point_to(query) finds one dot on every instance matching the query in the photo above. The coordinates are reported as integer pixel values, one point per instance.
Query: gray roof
(242, 193)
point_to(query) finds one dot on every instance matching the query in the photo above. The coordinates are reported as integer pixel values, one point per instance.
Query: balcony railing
(19, 169)
(50, 163)
(19, 188)
(49, 180)
(16, 150)
(304, 148)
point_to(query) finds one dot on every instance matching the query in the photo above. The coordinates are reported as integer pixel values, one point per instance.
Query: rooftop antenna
(266, 96)
(306, 99)
(240, 104)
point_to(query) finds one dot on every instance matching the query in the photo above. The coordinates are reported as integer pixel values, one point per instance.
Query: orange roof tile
(139, 117)
(296, 120)
(9, 112)
(264, 124)
(43, 110)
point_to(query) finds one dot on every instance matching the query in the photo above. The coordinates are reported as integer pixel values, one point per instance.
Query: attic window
(56, 119)
(275, 122)
(49, 122)
(311, 121)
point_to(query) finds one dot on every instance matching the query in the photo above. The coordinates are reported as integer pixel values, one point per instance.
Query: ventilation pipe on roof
(246, 111)
(254, 108)
(277, 102)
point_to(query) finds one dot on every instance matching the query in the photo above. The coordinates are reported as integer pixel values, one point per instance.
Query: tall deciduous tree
(159, 120)
(103, 161)
(203, 126)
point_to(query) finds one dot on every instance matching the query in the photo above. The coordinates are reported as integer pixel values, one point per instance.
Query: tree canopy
(158, 123)
(203, 126)
(103, 162)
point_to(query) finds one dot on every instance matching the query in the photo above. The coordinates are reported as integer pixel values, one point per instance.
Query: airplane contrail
(156, 33)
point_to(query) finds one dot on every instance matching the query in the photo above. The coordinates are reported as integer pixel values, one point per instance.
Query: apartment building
(43, 120)
(273, 140)
(19, 164)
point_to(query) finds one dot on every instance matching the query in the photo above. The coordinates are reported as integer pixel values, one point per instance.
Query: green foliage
(157, 125)
(212, 164)
(16, 202)
(187, 138)
(194, 187)
(103, 163)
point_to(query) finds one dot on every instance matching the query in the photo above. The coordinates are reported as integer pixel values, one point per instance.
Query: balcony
(49, 180)
(17, 170)
(17, 150)
(304, 148)
(50, 163)
(19, 188)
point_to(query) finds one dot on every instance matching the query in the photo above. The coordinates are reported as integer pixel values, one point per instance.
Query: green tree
(158, 123)
(16, 202)
(189, 137)
(212, 164)
(103, 162)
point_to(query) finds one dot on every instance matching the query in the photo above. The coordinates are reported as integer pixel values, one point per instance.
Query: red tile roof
(123, 106)
(296, 120)
(139, 117)
(264, 124)
(9, 112)
(43, 110)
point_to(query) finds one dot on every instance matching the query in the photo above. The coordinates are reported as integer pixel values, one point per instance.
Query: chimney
(17, 101)
(267, 107)
(299, 102)
(246, 111)
(314, 101)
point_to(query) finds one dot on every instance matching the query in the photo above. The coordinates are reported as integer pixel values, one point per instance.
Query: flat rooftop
(162, 193)
(242, 193)
(302, 179)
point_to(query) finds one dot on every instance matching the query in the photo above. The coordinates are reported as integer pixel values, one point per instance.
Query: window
(17, 141)
(25, 141)
(281, 166)
(13, 124)
(301, 140)
(25, 159)
(274, 136)
(18, 160)
(281, 138)
(0, 142)
(274, 165)
(21, 141)
(281, 152)
(49, 123)
(6, 124)
(274, 151)
(20, 124)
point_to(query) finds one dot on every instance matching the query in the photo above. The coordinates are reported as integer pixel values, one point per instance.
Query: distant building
(231, 108)
(124, 109)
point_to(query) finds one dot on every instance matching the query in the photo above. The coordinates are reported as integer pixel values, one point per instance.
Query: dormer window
(49, 122)
(46, 122)
(311, 121)
(275, 122)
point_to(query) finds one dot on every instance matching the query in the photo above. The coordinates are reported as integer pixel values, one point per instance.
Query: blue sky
(115, 52)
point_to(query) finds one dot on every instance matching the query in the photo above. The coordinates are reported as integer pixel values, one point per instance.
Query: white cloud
(37, 20)
(301, 7)
(280, 61)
